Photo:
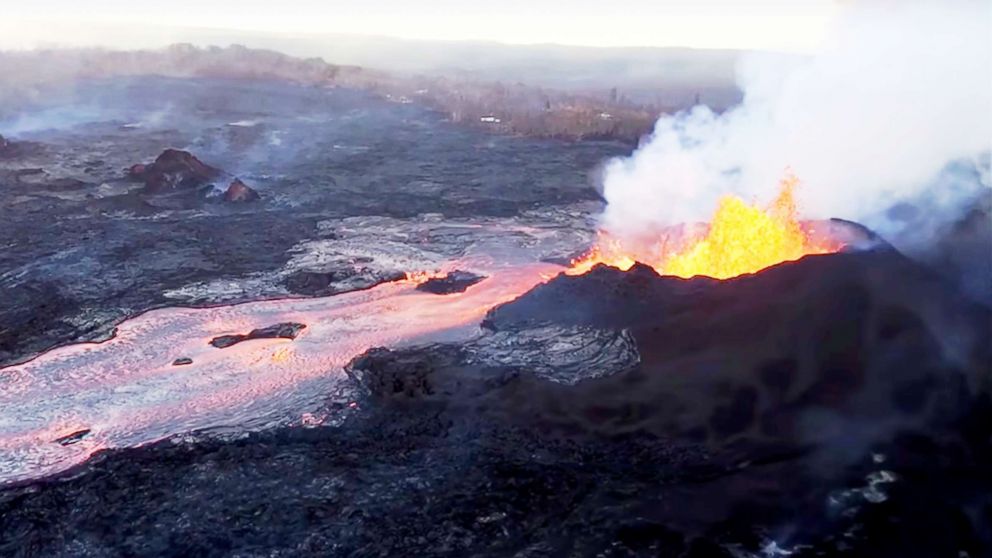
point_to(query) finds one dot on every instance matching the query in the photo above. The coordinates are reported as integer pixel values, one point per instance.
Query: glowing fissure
(741, 238)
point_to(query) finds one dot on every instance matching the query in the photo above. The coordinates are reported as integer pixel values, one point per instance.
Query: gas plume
(899, 94)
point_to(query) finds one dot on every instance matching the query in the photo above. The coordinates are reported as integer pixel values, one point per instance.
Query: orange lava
(741, 238)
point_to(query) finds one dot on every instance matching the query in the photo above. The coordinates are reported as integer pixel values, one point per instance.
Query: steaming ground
(347, 183)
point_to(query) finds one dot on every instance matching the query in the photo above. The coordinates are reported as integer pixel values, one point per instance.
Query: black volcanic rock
(175, 171)
(286, 330)
(238, 191)
(73, 438)
(386, 374)
(454, 282)
(182, 361)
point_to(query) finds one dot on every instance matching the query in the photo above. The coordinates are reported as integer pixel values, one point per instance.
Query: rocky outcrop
(238, 191)
(286, 330)
(181, 174)
(175, 171)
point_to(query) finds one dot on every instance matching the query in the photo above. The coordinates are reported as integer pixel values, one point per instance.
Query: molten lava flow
(125, 391)
(740, 239)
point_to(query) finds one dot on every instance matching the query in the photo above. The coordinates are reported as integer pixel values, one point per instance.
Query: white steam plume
(899, 90)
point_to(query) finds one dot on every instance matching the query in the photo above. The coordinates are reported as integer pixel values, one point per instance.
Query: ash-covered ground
(834, 406)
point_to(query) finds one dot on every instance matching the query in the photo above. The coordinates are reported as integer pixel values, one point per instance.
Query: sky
(785, 25)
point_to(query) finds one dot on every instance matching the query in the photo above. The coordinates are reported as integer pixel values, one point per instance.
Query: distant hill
(662, 76)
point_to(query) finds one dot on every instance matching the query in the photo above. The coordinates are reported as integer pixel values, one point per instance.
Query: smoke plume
(898, 94)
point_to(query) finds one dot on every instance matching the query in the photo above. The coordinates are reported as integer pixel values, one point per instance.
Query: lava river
(126, 391)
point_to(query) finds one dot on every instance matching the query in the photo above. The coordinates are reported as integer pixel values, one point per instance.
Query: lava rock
(385, 374)
(315, 283)
(286, 330)
(566, 355)
(238, 191)
(175, 170)
(454, 282)
(73, 438)
(182, 361)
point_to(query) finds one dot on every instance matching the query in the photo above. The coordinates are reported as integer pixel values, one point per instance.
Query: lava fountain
(741, 238)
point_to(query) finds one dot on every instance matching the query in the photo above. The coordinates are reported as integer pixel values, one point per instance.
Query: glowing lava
(126, 391)
(741, 238)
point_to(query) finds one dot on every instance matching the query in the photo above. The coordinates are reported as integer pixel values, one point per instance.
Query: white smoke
(898, 91)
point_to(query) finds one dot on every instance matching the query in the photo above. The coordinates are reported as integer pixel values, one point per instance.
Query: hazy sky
(770, 24)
